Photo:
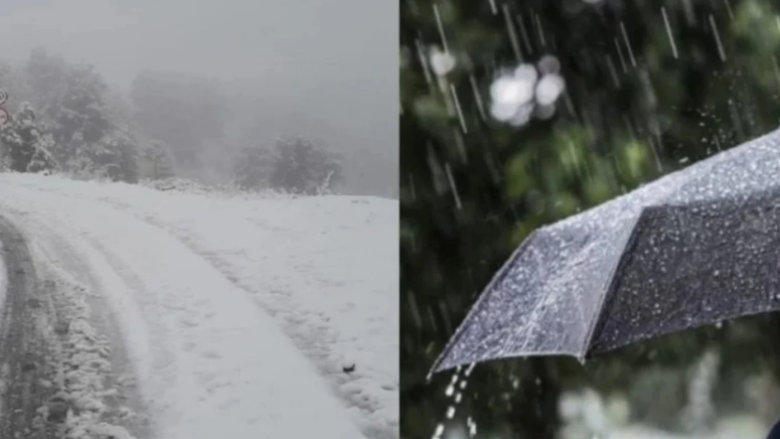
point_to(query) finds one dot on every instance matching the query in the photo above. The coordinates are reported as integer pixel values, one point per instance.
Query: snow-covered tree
(79, 127)
(159, 161)
(89, 137)
(292, 164)
(43, 159)
(118, 155)
(80, 115)
(26, 145)
(302, 166)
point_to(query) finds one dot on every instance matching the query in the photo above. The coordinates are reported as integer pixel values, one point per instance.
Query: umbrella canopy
(695, 247)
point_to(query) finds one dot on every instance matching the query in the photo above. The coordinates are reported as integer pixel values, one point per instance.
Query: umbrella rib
(611, 283)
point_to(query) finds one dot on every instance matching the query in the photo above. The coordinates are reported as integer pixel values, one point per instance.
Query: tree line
(64, 118)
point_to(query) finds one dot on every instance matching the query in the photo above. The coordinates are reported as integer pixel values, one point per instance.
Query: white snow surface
(238, 314)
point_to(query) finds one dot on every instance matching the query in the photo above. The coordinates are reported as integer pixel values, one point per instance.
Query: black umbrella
(695, 247)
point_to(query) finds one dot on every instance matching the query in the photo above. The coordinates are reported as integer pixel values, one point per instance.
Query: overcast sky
(338, 58)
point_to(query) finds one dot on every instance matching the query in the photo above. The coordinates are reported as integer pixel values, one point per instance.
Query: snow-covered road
(237, 316)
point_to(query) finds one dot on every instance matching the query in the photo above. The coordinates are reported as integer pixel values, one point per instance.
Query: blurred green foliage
(470, 196)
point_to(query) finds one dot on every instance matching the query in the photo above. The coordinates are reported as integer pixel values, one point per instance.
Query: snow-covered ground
(239, 315)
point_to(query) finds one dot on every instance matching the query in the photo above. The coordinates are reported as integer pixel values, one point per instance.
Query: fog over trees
(209, 79)
(64, 117)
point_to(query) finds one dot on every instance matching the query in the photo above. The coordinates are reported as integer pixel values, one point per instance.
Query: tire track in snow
(58, 378)
(26, 342)
(67, 268)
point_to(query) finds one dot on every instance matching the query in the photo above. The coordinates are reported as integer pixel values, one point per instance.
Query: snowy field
(241, 317)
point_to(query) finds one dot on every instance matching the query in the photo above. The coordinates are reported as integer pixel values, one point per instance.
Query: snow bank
(326, 268)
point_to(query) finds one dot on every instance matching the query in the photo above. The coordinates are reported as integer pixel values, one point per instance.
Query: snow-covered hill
(241, 317)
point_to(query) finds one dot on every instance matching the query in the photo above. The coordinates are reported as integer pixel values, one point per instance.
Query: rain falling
(589, 244)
